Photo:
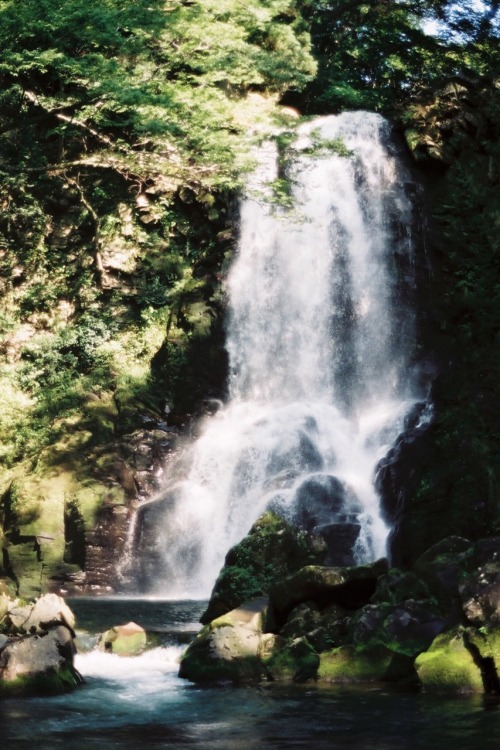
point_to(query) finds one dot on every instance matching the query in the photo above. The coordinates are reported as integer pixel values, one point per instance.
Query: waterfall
(320, 333)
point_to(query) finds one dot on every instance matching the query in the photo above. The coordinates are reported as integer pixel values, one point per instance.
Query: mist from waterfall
(319, 336)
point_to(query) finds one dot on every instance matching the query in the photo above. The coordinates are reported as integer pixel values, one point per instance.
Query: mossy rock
(124, 640)
(39, 664)
(351, 665)
(51, 683)
(297, 661)
(269, 553)
(486, 642)
(38, 544)
(350, 587)
(448, 666)
(232, 647)
(397, 586)
(222, 652)
(407, 628)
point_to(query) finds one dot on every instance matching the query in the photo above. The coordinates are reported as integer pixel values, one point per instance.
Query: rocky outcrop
(272, 550)
(433, 628)
(232, 647)
(65, 531)
(37, 648)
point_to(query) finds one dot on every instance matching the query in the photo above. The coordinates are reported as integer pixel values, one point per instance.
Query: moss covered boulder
(348, 587)
(272, 550)
(449, 666)
(231, 647)
(295, 661)
(354, 665)
(38, 664)
(124, 640)
(37, 648)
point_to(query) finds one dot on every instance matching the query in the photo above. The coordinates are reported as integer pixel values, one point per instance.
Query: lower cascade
(320, 338)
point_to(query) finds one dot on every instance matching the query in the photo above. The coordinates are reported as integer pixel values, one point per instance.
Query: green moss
(272, 550)
(351, 665)
(297, 661)
(123, 642)
(448, 667)
(50, 683)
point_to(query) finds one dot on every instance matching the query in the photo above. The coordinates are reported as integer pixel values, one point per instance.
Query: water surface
(140, 702)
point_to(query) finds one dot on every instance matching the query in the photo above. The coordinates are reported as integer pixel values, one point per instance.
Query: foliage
(155, 76)
(377, 54)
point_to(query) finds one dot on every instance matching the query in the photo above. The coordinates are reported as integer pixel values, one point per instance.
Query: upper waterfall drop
(320, 334)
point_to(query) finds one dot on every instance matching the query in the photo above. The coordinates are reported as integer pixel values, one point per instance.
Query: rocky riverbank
(36, 646)
(435, 627)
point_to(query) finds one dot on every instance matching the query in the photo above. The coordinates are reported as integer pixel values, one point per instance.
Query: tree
(377, 54)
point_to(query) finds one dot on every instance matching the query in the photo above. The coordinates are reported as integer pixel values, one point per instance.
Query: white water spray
(318, 341)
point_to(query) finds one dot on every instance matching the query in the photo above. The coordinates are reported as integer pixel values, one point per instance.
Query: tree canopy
(378, 54)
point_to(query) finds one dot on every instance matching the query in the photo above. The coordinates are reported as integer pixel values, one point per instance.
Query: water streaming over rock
(320, 333)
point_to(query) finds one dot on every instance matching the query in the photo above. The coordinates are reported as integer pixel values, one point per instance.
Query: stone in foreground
(231, 646)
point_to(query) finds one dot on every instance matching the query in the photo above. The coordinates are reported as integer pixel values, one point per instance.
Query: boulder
(448, 666)
(340, 539)
(271, 551)
(351, 665)
(46, 612)
(232, 647)
(350, 588)
(480, 596)
(124, 640)
(328, 508)
(38, 663)
(442, 568)
(398, 586)
(296, 661)
(407, 628)
(484, 646)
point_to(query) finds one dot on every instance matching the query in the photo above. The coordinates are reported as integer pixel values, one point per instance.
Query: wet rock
(231, 646)
(442, 568)
(312, 582)
(269, 553)
(38, 664)
(301, 620)
(398, 586)
(448, 666)
(319, 500)
(299, 458)
(296, 661)
(124, 640)
(104, 550)
(349, 665)
(45, 613)
(340, 539)
(350, 588)
(480, 596)
(407, 628)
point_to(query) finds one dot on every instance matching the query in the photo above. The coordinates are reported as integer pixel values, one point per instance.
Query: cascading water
(319, 338)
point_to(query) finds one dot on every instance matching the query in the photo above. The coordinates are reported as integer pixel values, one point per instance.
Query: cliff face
(444, 480)
(99, 390)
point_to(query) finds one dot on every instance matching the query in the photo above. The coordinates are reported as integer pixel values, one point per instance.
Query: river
(139, 702)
